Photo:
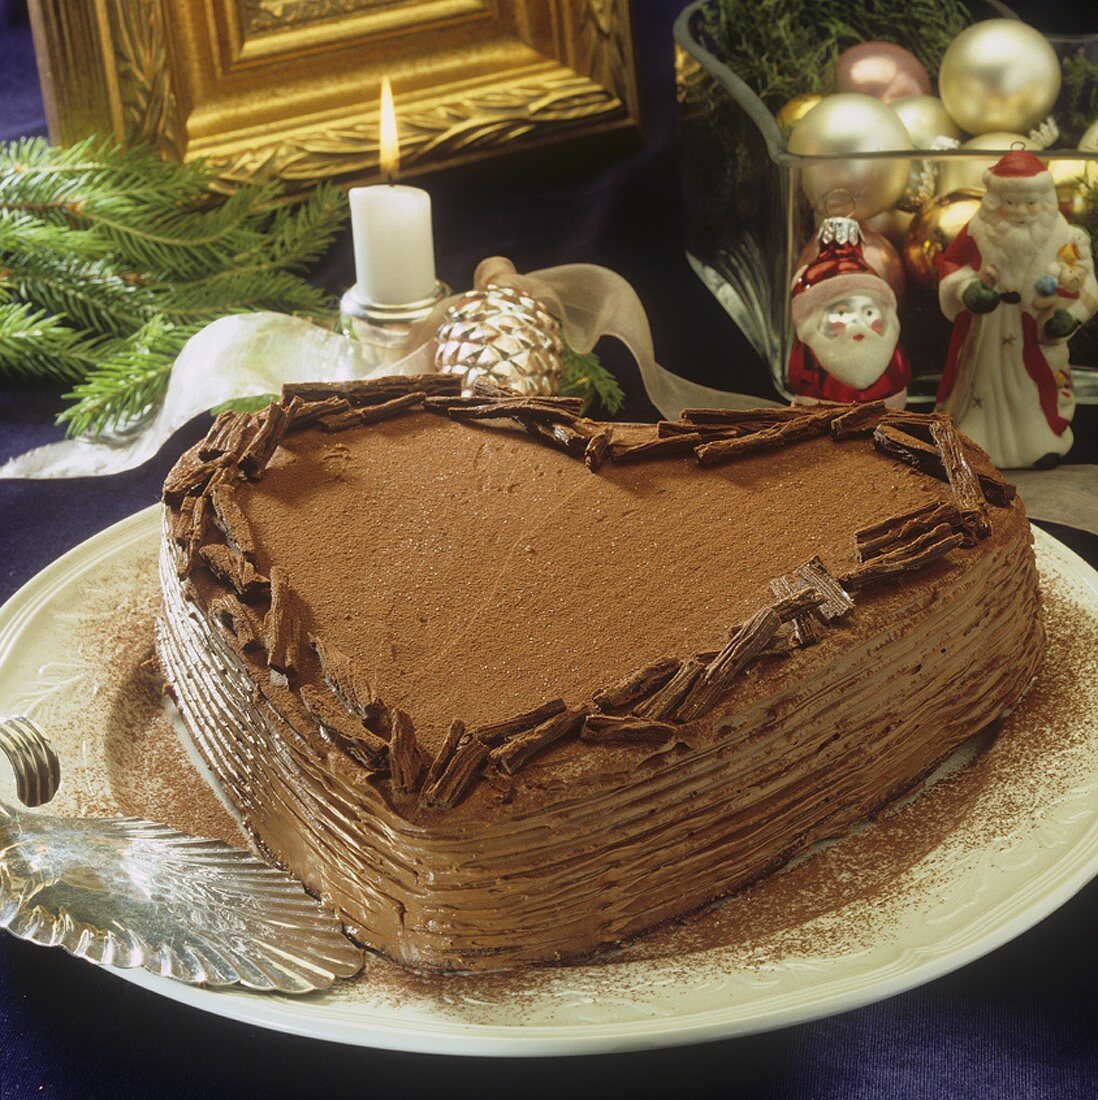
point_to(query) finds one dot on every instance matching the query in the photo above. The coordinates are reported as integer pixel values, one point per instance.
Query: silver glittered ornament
(501, 335)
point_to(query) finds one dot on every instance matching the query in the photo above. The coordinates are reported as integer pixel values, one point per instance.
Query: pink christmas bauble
(882, 70)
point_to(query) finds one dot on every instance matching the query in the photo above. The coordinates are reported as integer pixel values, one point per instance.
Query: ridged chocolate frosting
(355, 618)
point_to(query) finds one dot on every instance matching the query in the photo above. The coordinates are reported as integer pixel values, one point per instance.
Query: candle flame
(389, 142)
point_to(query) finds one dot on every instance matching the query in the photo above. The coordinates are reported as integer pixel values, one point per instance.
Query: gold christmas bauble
(892, 224)
(926, 119)
(794, 111)
(504, 336)
(967, 174)
(1074, 180)
(842, 125)
(933, 231)
(1000, 74)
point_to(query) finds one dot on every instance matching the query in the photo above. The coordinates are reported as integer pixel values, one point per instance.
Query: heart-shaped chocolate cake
(505, 685)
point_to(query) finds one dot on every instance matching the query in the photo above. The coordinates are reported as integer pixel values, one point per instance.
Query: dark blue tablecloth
(1019, 1023)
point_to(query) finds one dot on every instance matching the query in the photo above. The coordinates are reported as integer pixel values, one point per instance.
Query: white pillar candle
(394, 245)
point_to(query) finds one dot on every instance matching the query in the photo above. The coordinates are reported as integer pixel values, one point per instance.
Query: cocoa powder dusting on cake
(843, 898)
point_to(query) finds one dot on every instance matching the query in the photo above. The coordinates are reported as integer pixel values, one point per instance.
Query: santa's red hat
(839, 270)
(1019, 169)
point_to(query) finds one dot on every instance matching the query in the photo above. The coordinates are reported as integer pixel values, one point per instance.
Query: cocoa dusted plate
(1003, 834)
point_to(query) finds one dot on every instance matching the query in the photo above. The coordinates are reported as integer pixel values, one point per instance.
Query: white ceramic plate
(1020, 836)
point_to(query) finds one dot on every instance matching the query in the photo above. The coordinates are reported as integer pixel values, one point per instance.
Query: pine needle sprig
(130, 378)
(586, 377)
(110, 258)
(35, 345)
(299, 236)
(1080, 93)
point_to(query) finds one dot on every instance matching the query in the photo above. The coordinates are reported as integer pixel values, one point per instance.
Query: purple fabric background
(1020, 1023)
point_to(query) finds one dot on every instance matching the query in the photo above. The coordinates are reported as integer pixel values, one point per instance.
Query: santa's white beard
(1012, 248)
(856, 363)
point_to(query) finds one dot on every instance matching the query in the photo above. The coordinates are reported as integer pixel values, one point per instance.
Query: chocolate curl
(742, 649)
(232, 522)
(190, 475)
(344, 729)
(667, 447)
(905, 559)
(781, 434)
(836, 600)
(493, 733)
(239, 620)
(234, 570)
(925, 457)
(804, 629)
(900, 530)
(349, 684)
(513, 755)
(282, 626)
(666, 701)
(274, 421)
(405, 759)
(962, 478)
(610, 729)
(454, 737)
(375, 391)
(458, 776)
(639, 683)
(858, 420)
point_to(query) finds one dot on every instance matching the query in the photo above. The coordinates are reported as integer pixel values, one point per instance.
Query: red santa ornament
(844, 314)
(1016, 282)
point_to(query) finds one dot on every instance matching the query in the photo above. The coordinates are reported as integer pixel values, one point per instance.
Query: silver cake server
(127, 892)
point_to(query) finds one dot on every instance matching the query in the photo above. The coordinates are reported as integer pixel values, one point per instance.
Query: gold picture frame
(290, 87)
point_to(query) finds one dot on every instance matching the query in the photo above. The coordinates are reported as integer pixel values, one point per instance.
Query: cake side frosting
(593, 839)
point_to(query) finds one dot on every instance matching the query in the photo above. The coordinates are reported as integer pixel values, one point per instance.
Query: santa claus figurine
(847, 345)
(1017, 281)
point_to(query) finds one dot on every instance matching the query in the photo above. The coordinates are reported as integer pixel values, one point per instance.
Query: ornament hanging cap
(1018, 164)
(840, 269)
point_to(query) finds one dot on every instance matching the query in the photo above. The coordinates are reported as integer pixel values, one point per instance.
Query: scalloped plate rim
(309, 1017)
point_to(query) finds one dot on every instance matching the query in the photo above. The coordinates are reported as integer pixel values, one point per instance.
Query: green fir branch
(111, 257)
(130, 378)
(299, 235)
(586, 377)
(35, 345)
(1080, 94)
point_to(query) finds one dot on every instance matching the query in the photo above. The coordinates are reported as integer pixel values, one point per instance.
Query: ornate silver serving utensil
(126, 892)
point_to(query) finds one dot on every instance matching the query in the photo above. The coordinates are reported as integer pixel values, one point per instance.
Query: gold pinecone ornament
(504, 336)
